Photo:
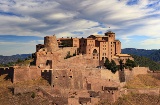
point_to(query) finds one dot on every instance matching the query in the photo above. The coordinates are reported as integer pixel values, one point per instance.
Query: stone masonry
(75, 73)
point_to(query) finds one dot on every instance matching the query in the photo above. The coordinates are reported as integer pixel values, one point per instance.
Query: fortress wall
(82, 61)
(21, 74)
(108, 75)
(129, 74)
(68, 79)
(7, 70)
(64, 51)
(140, 70)
(25, 74)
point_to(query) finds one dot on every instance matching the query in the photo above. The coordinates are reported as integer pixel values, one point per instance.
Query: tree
(130, 64)
(107, 63)
(121, 64)
(114, 67)
(111, 65)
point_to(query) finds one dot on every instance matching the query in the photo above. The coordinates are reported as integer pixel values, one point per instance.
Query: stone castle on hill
(71, 66)
(96, 47)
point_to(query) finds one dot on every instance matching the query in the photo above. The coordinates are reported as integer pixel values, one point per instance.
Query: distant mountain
(139, 52)
(151, 54)
(13, 58)
(146, 62)
(155, 56)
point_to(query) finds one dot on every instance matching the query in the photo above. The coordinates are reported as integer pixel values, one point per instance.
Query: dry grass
(143, 81)
(7, 98)
(138, 99)
(134, 99)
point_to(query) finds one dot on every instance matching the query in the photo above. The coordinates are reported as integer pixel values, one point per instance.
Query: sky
(24, 23)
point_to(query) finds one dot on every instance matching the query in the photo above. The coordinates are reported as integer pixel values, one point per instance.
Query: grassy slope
(140, 81)
(144, 81)
(7, 98)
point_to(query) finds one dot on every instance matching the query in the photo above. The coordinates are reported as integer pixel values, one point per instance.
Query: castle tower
(111, 35)
(50, 43)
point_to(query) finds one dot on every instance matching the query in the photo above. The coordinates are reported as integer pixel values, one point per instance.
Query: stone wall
(50, 43)
(7, 70)
(129, 74)
(26, 73)
(68, 79)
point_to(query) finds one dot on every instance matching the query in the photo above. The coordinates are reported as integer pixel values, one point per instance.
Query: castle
(71, 66)
(98, 47)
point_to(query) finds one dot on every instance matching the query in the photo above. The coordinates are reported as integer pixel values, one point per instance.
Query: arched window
(94, 51)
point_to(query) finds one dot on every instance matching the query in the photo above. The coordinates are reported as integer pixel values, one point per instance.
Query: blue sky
(24, 23)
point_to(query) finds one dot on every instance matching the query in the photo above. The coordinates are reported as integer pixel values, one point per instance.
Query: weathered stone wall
(108, 75)
(129, 74)
(64, 51)
(50, 43)
(7, 70)
(68, 79)
(56, 100)
(26, 73)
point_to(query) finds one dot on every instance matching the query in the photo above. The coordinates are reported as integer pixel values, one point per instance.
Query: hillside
(13, 58)
(139, 52)
(155, 56)
(144, 81)
(140, 81)
(151, 54)
(30, 98)
(146, 62)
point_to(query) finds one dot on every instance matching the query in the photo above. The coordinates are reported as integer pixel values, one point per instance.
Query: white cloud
(151, 42)
(66, 17)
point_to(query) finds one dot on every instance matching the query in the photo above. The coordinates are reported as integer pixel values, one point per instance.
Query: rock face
(50, 43)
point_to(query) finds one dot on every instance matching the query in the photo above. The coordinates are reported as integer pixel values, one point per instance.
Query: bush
(33, 95)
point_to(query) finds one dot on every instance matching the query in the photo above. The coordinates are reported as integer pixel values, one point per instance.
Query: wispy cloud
(80, 18)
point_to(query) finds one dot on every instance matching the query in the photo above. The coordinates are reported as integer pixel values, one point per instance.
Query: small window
(70, 76)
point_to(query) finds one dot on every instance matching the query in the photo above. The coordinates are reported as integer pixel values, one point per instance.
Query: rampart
(129, 74)
(26, 73)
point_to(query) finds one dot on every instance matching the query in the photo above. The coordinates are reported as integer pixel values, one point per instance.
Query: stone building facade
(98, 47)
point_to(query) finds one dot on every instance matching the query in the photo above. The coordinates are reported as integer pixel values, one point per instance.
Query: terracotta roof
(123, 55)
(99, 35)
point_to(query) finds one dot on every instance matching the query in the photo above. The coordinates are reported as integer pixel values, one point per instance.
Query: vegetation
(134, 99)
(130, 64)
(31, 98)
(151, 54)
(19, 61)
(146, 62)
(155, 56)
(143, 81)
(113, 67)
(69, 55)
(138, 99)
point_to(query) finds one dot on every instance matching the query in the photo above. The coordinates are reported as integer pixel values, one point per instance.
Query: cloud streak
(80, 18)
